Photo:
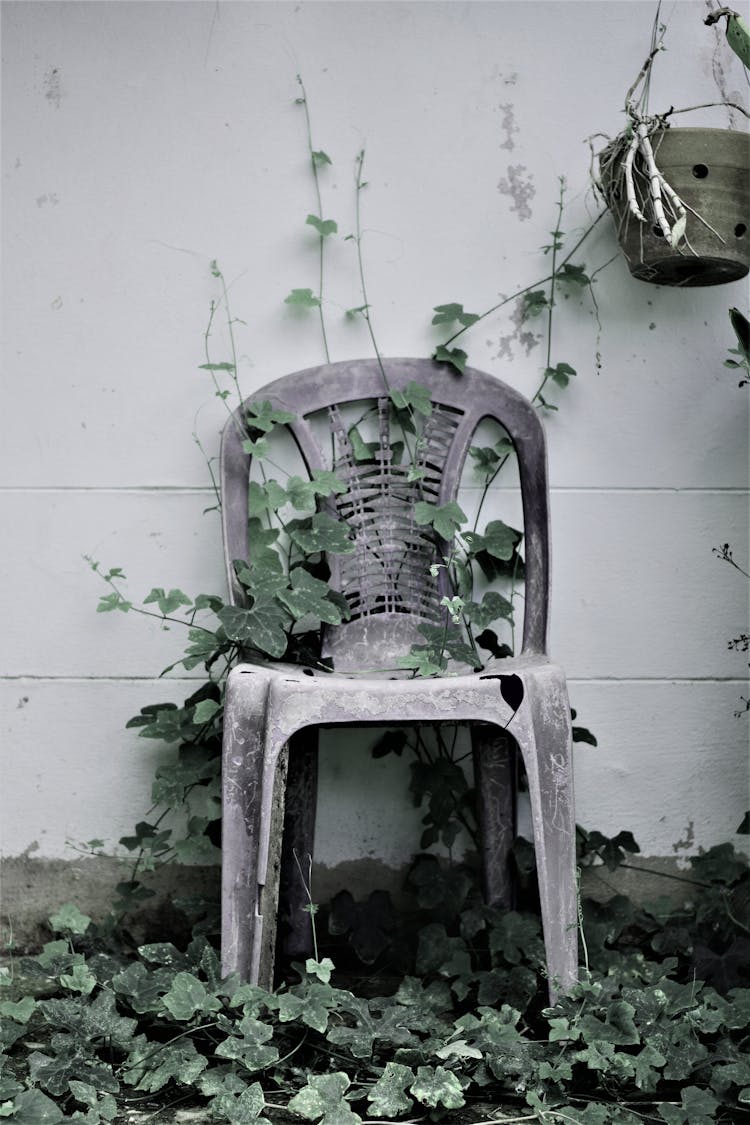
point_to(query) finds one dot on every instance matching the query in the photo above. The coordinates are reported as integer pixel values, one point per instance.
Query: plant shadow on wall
(444, 1005)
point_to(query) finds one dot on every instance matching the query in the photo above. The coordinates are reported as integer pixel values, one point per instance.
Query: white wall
(142, 140)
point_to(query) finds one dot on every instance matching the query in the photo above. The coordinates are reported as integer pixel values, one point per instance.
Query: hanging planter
(681, 211)
(680, 198)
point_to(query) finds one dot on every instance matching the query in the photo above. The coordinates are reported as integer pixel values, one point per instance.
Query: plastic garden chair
(273, 710)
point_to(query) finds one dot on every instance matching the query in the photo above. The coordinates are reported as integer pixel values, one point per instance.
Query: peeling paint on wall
(520, 188)
(522, 336)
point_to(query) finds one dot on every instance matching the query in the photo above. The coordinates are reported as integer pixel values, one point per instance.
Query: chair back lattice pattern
(387, 580)
(389, 569)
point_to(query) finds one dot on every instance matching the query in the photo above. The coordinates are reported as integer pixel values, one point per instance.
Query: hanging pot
(709, 169)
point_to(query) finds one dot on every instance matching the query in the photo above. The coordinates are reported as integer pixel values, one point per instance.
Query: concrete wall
(143, 140)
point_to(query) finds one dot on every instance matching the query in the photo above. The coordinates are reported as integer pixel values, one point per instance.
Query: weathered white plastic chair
(390, 591)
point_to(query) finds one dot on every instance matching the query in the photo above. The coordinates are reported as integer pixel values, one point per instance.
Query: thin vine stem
(321, 238)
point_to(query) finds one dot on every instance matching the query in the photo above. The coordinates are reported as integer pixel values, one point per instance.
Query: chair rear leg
(298, 843)
(494, 753)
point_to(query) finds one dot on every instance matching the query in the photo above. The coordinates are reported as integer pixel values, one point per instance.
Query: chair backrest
(387, 580)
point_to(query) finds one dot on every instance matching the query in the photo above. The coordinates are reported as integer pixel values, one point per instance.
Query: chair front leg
(546, 749)
(245, 721)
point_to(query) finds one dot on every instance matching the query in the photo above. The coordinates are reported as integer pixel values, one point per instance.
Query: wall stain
(53, 87)
(508, 125)
(520, 335)
(52, 198)
(520, 189)
(22, 702)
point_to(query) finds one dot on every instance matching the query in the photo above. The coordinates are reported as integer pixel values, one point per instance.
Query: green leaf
(240, 1109)
(206, 710)
(167, 603)
(304, 298)
(492, 607)
(320, 158)
(251, 1048)
(80, 979)
(324, 534)
(533, 304)
(20, 1010)
(32, 1107)
(262, 627)
(561, 374)
(187, 996)
(446, 519)
(581, 734)
(457, 357)
(574, 275)
(423, 662)
(435, 1086)
(320, 969)
(262, 415)
(216, 367)
(302, 493)
(447, 314)
(388, 1097)
(151, 1070)
(415, 397)
(323, 1098)
(69, 920)
(324, 227)
(647, 1066)
(499, 540)
(268, 497)
(309, 595)
(112, 601)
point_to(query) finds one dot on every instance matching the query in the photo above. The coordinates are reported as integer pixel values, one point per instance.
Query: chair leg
(298, 842)
(549, 768)
(494, 753)
(245, 714)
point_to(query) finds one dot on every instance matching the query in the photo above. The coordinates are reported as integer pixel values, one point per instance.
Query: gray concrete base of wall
(31, 889)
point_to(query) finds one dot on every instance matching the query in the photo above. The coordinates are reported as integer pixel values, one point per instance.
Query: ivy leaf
(262, 415)
(533, 304)
(457, 357)
(423, 662)
(324, 227)
(303, 298)
(112, 601)
(617, 1028)
(561, 374)
(647, 1063)
(320, 969)
(414, 396)
(32, 1107)
(324, 534)
(574, 275)
(320, 158)
(309, 595)
(698, 1108)
(388, 1097)
(268, 497)
(581, 734)
(206, 710)
(447, 314)
(187, 996)
(216, 366)
(240, 1109)
(251, 1048)
(323, 1097)
(80, 979)
(69, 920)
(498, 540)
(488, 640)
(445, 519)
(167, 603)
(435, 1086)
(151, 1070)
(262, 627)
(20, 1011)
(492, 607)
(302, 493)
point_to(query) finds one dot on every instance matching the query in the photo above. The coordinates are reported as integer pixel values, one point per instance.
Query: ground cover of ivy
(454, 1012)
